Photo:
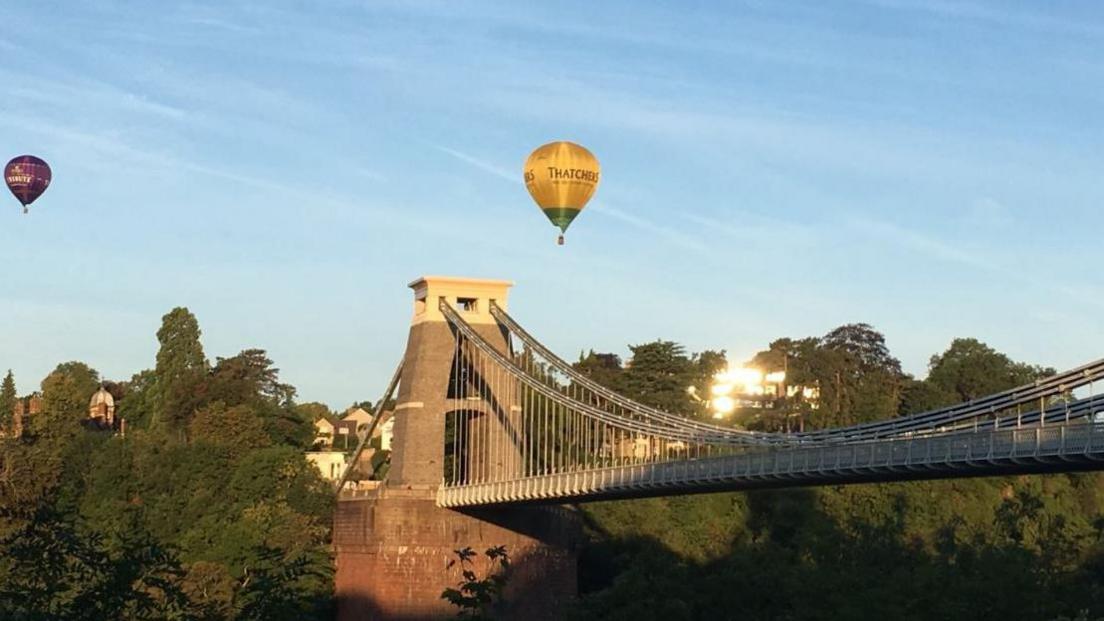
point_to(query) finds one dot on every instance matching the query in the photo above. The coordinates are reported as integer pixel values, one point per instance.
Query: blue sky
(769, 169)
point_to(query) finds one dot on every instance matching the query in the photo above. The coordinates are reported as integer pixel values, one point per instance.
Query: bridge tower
(395, 546)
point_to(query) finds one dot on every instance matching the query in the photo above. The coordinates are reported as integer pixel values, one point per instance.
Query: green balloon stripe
(561, 216)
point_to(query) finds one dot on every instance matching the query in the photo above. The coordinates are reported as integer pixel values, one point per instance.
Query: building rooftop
(102, 397)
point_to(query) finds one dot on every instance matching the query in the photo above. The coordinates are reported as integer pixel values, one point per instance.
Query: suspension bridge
(521, 425)
(489, 422)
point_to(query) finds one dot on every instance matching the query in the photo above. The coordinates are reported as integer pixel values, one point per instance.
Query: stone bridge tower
(394, 547)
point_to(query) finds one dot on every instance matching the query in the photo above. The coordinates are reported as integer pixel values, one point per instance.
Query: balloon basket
(559, 240)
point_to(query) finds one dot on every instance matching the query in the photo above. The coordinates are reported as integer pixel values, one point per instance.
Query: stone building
(25, 409)
(101, 408)
(101, 412)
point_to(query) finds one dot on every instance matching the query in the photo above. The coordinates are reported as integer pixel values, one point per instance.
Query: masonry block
(394, 554)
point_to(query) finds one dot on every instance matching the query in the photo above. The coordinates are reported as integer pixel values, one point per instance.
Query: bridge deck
(1053, 447)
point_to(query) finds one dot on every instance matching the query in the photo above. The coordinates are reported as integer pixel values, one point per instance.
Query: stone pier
(395, 546)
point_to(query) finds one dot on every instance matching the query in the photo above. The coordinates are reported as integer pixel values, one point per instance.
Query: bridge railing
(523, 426)
(1065, 446)
(1026, 404)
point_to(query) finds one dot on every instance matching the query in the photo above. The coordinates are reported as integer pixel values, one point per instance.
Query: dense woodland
(207, 509)
(996, 548)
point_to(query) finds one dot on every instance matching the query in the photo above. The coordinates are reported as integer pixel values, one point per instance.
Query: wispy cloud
(85, 93)
(746, 227)
(894, 235)
(481, 164)
(988, 213)
(673, 236)
(1000, 14)
(215, 19)
(906, 238)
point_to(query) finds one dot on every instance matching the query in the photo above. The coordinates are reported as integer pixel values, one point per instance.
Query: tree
(7, 401)
(139, 403)
(248, 377)
(314, 411)
(967, 370)
(91, 524)
(794, 356)
(181, 368)
(863, 348)
(604, 369)
(798, 359)
(476, 597)
(859, 379)
(658, 375)
(238, 428)
(920, 396)
(65, 394)
(277, 587)
(970, 369)
(367, 406)
(54, 570)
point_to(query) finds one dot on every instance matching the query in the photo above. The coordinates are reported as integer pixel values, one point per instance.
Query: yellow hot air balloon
(561, 177)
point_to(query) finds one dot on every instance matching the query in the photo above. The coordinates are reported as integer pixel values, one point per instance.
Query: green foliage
(658, 374)
(941, 549)
(803, 364)
(272, 588)
(474, 596)
(605, 369)
(249, 380)
(859, 379)
(920, 396)
(1008, 548)
(246, 378)
(181, 368)
(52, 570)
(7, 401)
(367, 406)
(140, 403)
(213, 514)
(970, 369)
(237, 428)
(967, 370)
(314, 411)
(65, 395)
(1082, 615)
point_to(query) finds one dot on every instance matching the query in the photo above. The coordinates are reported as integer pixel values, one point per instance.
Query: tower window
(468, 305)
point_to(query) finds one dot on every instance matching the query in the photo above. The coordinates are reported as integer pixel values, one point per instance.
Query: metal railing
(1059, 447)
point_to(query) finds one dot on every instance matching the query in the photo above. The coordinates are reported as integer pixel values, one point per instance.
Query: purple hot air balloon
(27, 177)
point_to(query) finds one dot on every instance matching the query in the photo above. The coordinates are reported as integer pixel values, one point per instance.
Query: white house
(330, 463)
